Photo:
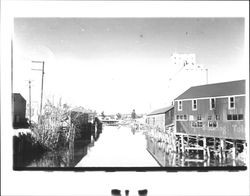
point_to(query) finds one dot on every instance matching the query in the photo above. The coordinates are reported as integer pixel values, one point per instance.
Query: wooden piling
(182, 144)
(222, 145)
(205, 147)
(188, 144)
(234, 150)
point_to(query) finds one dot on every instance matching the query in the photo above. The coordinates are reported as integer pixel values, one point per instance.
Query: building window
(212, 103)
(181, 117)
(217, 117)
(229, 117)
(240, 117)
(209, 118)
(212, 124)
(179, 105)
(235, 117)
(231, 102)
(194, 124)
(199, 117)
(199, 124)
(194, 104)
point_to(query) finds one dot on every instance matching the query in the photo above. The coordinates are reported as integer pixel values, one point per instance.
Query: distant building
(213, 110)
(19, 110)
(160, 138)
(161, 118)
(189, 60)
(185, 74)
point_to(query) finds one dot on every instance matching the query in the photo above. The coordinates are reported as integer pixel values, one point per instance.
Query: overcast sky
(117, 64)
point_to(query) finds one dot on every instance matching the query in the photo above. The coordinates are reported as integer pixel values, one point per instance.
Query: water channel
(118, 146)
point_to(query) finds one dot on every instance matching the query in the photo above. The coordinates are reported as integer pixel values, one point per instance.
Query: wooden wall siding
(20, 107)
(159, 121)
(225, 129)
(169, 118)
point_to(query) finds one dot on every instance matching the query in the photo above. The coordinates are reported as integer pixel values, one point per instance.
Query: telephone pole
(30, 100)
(41, 102)
(207, 75)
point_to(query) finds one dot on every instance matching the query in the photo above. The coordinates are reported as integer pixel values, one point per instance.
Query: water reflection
(66, 157)
(193, 159)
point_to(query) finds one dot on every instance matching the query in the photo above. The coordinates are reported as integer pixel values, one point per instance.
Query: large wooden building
(208, 118)
(213, 110)
(211, 117)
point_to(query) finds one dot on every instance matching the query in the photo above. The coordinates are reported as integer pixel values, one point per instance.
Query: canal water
(118, 146)
(193, 159)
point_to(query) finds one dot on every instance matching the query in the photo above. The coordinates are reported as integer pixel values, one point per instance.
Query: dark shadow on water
(32, 155)
(66, 157)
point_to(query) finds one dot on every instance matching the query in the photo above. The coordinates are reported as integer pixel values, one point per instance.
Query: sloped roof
(214, 90)
(18, 96)
(82, 110)
(161, 110)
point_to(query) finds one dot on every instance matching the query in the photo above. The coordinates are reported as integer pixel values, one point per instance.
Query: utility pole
(41, 103)
(30, 100)
(207, 75)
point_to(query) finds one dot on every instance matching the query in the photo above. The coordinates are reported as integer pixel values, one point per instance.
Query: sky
(120, 64)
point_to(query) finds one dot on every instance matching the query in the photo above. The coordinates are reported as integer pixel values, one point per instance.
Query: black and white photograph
(134, 94)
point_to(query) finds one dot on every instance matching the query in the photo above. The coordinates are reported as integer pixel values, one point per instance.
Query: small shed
(19, 111)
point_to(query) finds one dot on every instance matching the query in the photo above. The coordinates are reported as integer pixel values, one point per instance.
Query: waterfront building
(19, 110)
(212, 111)
(160, 136)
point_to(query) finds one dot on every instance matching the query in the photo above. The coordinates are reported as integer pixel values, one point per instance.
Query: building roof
(161, 110)
(18, 96)
(214, 90)
(82, 110)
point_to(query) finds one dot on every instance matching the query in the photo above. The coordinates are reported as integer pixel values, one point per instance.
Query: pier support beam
(182, 144)
(187, 144)
(222, 149)
(205, 147)
(234, 150)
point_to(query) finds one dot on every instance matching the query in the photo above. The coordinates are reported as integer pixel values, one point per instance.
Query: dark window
(235, 116)
(209, 118)
(179, 105)
(217, 117)
(194, 104)
(212, 103)
(214, 124)
(229, 117)
(199, 124)
(177, 117)
(240, 117)
(210, 124)
(185, 117)
(181, 117)
(231, 102)
(193, 124)
(199, 117)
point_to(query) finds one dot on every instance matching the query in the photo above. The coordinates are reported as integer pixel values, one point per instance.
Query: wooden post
(214, 146)
(187, 144)
(204, 146)
(234, 151)
(222, 144)
(182, 144)
(177, 144)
